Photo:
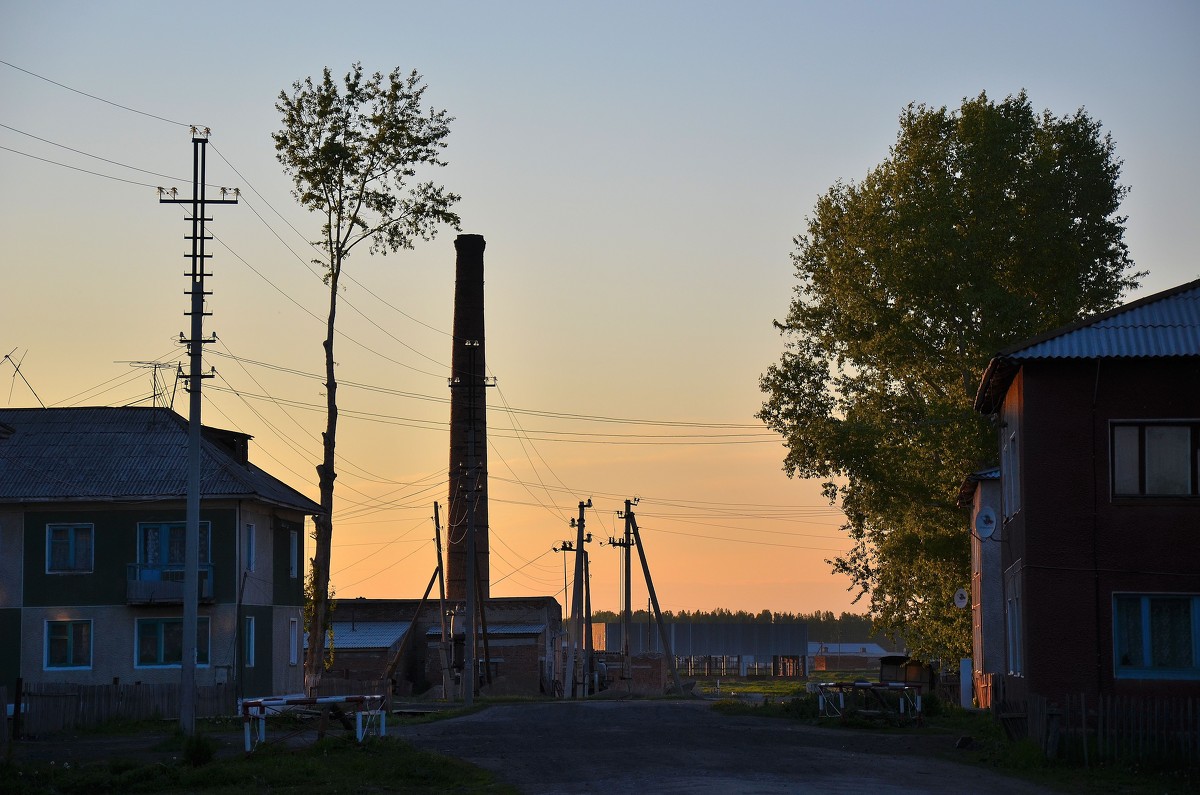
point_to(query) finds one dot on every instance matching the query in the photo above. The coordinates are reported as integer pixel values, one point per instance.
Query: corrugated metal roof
(349, 635)
(1163, 325)
(860, 649)
(499, 629)
(122, 454)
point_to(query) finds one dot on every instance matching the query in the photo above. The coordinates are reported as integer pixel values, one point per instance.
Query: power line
(97, 157)
(77, 168)
(93, 96)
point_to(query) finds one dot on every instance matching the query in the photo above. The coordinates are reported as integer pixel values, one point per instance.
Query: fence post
(17, 703)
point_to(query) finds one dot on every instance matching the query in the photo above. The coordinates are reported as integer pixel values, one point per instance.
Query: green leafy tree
(985, 225)
(353, 150)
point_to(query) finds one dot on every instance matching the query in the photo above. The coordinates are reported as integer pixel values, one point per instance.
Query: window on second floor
(161, 544)
(69, 548)
(250, 551)
(294, 554)
(1156, 459)
(1010, 461)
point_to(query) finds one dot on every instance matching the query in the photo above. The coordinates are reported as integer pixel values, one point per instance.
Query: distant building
(92, 516)
(845, 656)
(377, 636)
(753, 643)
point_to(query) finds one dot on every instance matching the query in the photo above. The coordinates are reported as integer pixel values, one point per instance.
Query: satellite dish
(961, 598)
(985, 522)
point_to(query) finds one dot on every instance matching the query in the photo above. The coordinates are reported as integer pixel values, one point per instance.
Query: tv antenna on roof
(156, 387)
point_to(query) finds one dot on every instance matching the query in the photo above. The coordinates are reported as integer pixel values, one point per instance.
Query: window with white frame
(1156, 636)
(69, 548)
(1155, 459)
(293, 641)
(248, 642)
(160, 642)
(250, 547)
(1014, 637)
(69, 644)
(161, 543)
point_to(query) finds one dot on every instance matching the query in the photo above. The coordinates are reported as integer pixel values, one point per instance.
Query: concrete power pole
(195, 345)
(576, 600)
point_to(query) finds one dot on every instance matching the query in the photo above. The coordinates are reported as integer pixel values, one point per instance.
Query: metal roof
(499, 629)
(1163, 325)
(349, 635)
(125, 454)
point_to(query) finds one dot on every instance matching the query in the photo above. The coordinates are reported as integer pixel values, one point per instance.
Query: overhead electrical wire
(725, 510)
(98, 99)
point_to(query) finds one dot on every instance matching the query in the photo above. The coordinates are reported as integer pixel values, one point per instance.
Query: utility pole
(627, 603)
(437, 538)
(577, 595)
(195, 345)
(662, 629)
(565, 547)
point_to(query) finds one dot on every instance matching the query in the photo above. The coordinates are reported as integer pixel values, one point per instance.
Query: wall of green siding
(115, 546)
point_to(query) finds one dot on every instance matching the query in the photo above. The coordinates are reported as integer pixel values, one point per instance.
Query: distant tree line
(823, 626)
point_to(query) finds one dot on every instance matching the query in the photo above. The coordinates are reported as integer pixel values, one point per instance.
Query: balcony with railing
(157, 584)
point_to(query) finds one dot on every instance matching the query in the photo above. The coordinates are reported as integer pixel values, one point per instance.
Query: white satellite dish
(985, 522)
(960, 598)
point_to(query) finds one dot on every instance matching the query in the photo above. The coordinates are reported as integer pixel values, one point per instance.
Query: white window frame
(293, 641)
(248, 641)
(69, 623)
(203, 630)
(205, 551)
(1014, 639)
(73, 529)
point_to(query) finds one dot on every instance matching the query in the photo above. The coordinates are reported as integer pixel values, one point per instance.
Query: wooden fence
(1090, 729)
(351, 687)
(52, 707)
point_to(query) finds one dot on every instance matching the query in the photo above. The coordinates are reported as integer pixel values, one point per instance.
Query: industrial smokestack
(468, 425)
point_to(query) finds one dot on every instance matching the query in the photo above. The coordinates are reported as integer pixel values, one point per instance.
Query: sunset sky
(638, 170)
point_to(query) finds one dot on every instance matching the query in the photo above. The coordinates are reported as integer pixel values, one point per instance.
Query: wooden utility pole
(437, 537)
(395, 660)
(662, 629)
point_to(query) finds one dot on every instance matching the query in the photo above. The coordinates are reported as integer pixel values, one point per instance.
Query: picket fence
(1090, 730)
(53, 707)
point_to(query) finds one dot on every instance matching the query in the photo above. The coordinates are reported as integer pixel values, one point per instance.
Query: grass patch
(327, 766)
(986, 745)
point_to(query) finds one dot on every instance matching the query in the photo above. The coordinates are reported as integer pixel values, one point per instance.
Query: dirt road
(684, 747)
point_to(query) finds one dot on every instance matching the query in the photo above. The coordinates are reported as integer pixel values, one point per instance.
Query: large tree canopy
(985, 225)
(353, 151)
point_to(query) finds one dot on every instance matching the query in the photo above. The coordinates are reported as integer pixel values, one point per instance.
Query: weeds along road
(660, 746)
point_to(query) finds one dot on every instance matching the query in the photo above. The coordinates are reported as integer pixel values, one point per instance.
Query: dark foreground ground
(668, 746)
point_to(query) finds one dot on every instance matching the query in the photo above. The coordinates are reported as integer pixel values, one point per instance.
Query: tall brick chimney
(468, 424)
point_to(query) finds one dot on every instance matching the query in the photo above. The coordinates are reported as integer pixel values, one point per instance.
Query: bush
(199, 750)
